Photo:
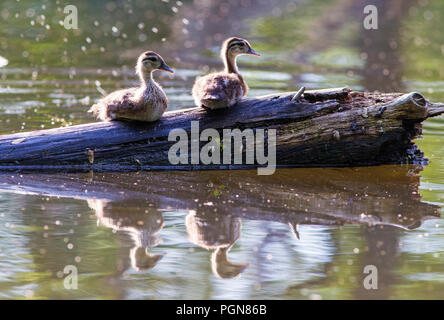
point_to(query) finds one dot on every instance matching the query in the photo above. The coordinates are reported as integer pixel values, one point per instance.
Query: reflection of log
(386, 195)
(338, 128)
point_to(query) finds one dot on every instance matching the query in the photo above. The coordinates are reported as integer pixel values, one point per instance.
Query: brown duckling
(224, 89)
(144, 103)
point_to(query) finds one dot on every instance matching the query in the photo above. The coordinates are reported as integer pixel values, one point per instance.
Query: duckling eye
(153, 59)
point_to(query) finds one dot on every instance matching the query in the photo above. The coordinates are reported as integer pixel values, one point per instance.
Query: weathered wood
(337, 128)
(327, 94)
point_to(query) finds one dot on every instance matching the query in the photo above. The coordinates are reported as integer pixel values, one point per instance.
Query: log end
(435, 109)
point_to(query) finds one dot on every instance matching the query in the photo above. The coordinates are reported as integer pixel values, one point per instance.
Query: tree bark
(324, 128)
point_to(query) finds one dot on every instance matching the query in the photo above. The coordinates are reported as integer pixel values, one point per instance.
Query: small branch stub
(435, 109)
(91, 156)
(364, 112)
(298, 94)
(380, 112)
(380, 127)
(336, 135)
(322, 120)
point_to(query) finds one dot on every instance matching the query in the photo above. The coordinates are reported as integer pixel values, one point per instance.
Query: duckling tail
(98, 111)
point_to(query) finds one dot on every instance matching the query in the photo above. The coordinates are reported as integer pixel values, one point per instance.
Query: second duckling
(144, 103)
(224, 89)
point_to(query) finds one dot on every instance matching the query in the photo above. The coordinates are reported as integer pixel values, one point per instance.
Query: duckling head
(150, 61)
(235, 46)
(232, 48)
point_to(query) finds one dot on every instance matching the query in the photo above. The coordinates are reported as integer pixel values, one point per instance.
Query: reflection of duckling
(224, 268)
(218, 233)
(141, 225)
(294, 227)
(224, 89)
(145, 103)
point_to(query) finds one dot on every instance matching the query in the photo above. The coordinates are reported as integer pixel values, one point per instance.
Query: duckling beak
(164, 67)
(252, 52)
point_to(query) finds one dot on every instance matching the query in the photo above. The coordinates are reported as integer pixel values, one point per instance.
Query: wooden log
(335, 127)
(217, 204)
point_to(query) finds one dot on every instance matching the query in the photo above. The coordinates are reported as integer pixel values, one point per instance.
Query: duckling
(224, 89)
(144, 103)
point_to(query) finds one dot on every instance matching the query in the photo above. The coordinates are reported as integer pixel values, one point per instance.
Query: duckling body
(144, 103)
(219, 90)
(223, 89)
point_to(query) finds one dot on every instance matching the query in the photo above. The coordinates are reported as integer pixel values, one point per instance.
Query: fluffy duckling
(144, 103)
(224, 89)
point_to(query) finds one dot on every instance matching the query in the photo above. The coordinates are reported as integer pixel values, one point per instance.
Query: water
(299, 234)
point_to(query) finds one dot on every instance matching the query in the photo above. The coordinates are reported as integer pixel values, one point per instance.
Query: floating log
(323, 128)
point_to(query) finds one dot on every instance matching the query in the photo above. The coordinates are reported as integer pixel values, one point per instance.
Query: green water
(210, 235)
